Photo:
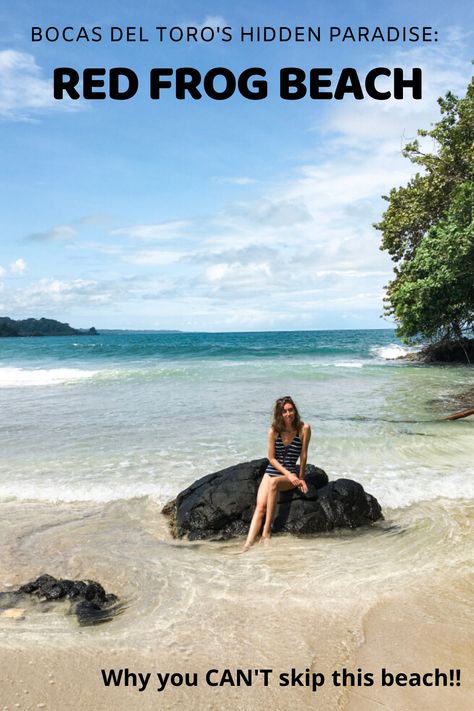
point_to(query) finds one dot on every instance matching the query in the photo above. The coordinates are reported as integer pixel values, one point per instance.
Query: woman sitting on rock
(288, 440)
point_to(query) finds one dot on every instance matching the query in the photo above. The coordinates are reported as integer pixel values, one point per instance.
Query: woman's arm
(273, 460)
(306, 436)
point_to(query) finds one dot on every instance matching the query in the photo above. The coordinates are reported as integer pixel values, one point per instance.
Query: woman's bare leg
(259, 513)
(277, 483)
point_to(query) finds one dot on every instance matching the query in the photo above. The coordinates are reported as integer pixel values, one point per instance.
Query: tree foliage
(428, 229)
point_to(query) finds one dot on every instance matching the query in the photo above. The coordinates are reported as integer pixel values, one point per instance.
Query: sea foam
(23, 377)
(392, 351)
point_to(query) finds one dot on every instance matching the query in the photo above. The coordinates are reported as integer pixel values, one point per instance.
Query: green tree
(428, 230)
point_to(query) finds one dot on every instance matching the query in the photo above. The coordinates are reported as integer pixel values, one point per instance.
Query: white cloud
(95, 219)
(238, 275)
(309, 240)
(154, 257)
(100, 247)
(245, 255)
(59, 233)
(160, 231)
(213, 21)
(350, 273)
(237, 180)
(393, 123)
(23, 91)
(217, 272)
(253, 318)
(18, 266)
(2, 271)
(47, 293)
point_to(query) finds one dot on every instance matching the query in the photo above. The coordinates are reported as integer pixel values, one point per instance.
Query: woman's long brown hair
(278, 424)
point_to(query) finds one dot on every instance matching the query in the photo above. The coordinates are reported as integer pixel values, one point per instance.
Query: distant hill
(39, 327)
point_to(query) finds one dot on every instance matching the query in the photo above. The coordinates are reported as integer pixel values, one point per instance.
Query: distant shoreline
(33, 327)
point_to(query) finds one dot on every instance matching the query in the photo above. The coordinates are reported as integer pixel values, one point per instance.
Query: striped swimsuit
(286, 456)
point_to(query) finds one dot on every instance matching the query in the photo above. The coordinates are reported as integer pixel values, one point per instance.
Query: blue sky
(207, 215)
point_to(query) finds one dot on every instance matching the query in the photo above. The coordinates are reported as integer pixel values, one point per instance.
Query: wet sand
(400, 639)
(432, 631)
(394, 596)
(400, 633)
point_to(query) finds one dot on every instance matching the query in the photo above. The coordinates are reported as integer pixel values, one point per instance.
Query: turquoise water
(126, 347)
(124, 413)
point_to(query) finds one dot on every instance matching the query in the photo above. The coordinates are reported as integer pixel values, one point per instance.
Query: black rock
(55, 590)
(89, 601)
(340, 504)
(89, 612)
(95, 592)
(78, 589)
(221, 505)
(36, 586)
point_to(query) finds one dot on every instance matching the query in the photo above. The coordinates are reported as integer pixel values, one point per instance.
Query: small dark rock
(35, 585)
(55, 590)
(89, 612)
(89, 601)
(78, 589)
(95, 592)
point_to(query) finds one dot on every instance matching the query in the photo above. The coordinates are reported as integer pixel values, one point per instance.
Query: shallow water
(181, 593)
(97, 434)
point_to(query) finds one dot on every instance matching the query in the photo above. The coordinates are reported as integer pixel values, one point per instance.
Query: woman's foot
(245, 548)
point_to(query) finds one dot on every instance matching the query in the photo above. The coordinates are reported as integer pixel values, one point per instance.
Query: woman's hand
(299, 484)
(303, 486)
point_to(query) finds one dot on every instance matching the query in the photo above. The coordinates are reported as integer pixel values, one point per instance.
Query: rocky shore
(461, 351)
